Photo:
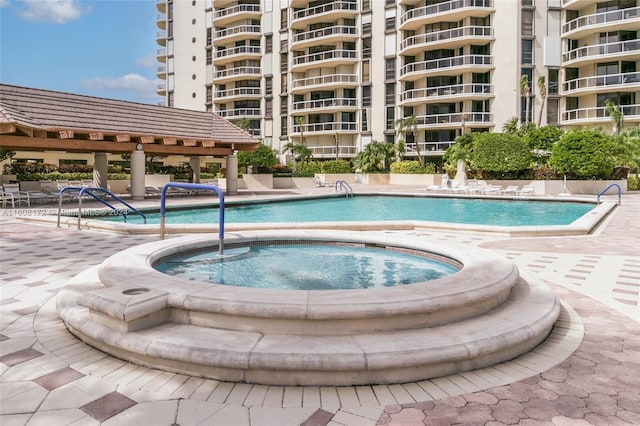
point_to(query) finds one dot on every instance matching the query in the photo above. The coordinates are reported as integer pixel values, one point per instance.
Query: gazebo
(44, 120)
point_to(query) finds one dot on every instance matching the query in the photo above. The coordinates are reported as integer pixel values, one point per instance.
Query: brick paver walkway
(48, 377)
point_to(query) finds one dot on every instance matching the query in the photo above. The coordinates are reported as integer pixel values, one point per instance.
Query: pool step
(500, 334)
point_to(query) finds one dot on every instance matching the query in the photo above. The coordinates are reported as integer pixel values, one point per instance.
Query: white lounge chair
(320, 182)
(19, 197)
(492, 190)
(510, 190)
(527, 190)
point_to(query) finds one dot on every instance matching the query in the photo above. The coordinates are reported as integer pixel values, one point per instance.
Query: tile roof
(54, 111)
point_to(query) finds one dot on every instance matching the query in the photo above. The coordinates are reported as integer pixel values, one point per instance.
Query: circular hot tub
(481, 313)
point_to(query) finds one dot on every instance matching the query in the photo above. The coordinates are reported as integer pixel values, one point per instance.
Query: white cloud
(4, 3)
(56, 11)
(148, 61)
(134, 83)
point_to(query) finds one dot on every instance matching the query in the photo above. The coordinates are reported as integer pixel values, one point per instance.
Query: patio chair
(510, 190)
(527, 190)
(320, 182)
(51, 190)
(19, 197)
(492, 190)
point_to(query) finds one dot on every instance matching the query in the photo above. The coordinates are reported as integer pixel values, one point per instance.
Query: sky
(104, 48)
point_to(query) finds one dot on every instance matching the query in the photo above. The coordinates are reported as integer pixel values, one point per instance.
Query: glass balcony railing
(237, 30)
(590, 52)
(324, 32)
(325, 8)
(331, 151)
(323, 56)
(325, 79)
(238, 50)
(595, 113)
(240, 112)
(237, 71)
(241, 8)
(454, 61)
(444, 91)
(443, 8)
(469, 31)
(326, 103)
(470, 118)
(325, 127)
(601, 18)
(239, 91)
(599, 81)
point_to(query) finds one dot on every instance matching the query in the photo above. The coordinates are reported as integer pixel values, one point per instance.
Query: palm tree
(410, 124)
(616, 114)
(299, 122)
(542, 88)
(375, 157)
(525, 91)
(511, 125)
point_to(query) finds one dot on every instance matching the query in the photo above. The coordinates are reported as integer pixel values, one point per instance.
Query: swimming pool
(384, 208)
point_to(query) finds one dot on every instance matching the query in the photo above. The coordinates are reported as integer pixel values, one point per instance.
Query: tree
(375, 157)
(406, 125)
(511, 126)
(6, 154)
(584, 154)
(627, 149)
(500, 153)
(261, 159)
(525, 91)
(244, 124)
(616, 115)
(542, 88)
(541, 140)
(300, 122)
(462, 149)
(297, 151)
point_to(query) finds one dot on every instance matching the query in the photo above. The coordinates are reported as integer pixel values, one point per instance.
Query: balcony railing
(454, 61)
(240, 112)
(325, 79)
(442, 8)
(330, 7)
(238, 29)
(239, 91)
(601, 81)
(237, 71)
(323, 56)
(469, 31)
(238, 50)
(324, 32)
(331, 151)
(426, 147)
(599, 113)
(601, 18)
(455, 118)
(241, 8)
(601, 49)
(325, 127)
(326, 103)
(453, 90)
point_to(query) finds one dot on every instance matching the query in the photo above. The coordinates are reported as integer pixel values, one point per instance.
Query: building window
(366, 47)
(268, 43)
(390, 69)
(552, 111)
(390, 94)
(552, 84)
(209, 56)
(284, 62)
(527, 23)
(366, 28)
(284, 110)
(366, 96)
(365, 121)
(284, 83)
(390, 23)
(284, 129)
(208, 36)
(366, 71)
(527, 52)
(388, 3)
(366, 5)
(268, 86)
(209, 94)
(284, 45)
(390, 117)
(284, 19)
(268, 108)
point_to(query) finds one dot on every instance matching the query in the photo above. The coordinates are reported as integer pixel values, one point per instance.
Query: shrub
(633, 184)
(412, 168)
(335, 166)
(500, 154)
(307, 167)
(584, 154)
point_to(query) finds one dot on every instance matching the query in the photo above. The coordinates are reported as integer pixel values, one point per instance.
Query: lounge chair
(492, 190)
(527, 190)
(320, 182)
(510, 190)
(19, 197)
(52, 191)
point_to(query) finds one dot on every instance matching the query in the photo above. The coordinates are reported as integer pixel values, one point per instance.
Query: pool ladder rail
(342, 185)
(197, 187)
(609, 187)
(89, 190)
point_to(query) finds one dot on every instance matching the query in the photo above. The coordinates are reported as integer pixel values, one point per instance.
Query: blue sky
(102, 48)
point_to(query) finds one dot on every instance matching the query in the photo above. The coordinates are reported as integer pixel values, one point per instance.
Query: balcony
(236, 54)
(576, 4)
(331, 151)
(330, 104)
(240, 113)
(623, 19)
(597, 115)
(454, 120)
(161, 38)
(427, 148)
(329, 58)
(454, 92)
(161, 89)
(602, 83)
(239, 93)
(601, 53)
(161, 55)
(238, 12)
(238, 73)
(447, 39)
(446, 66)
(327, 82)
(325, 128)
(451, 11)
(332, 34)
(161, 72)
(161, 21)
(301, 19)
(240, 32)
(161, 6)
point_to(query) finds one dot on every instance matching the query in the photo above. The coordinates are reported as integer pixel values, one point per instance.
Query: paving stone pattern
(48, 377)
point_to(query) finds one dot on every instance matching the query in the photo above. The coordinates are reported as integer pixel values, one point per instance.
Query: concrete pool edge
(582, 226)
(360, 357)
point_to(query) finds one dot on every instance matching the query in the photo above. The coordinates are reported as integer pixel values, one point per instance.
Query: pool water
(308, 267)
(377, 208)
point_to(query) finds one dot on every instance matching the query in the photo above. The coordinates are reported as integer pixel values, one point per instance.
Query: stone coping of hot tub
(581, 226)
(483, 282)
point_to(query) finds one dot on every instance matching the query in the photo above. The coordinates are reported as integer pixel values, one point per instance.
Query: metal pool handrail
(197, 186)
(607, 188)
(343, 185)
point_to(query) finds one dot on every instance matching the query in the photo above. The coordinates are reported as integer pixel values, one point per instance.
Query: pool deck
(51, 378)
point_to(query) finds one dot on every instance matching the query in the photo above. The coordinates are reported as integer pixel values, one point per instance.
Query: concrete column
(232, 175)
(137, 175)
(100, 168)
(194, 162)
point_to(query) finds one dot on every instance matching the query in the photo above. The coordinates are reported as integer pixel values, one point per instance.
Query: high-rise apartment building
(338, 74)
